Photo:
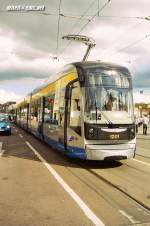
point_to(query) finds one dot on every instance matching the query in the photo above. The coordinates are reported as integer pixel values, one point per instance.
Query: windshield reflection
(108, 97)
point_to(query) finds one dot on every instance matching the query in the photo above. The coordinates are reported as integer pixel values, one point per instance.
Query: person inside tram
(110, 103)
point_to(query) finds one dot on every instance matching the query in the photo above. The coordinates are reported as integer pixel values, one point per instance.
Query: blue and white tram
(87, 113)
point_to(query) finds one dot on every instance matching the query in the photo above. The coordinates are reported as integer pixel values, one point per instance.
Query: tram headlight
(91, 131)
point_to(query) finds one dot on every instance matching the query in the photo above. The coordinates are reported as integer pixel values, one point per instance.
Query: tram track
(147, 157)
(114, 186)
(136, 168)
(84, 175)
(119, 189)
(147, 208)
(122, 193)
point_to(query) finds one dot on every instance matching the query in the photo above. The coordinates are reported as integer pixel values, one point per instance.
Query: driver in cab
(110, 103)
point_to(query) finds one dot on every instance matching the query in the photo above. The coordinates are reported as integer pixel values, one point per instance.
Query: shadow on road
(19, 149)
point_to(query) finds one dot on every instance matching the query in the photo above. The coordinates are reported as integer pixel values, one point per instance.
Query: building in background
(7, 107)
(142, 102)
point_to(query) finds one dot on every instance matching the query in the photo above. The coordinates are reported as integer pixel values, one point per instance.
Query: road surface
(41, 187)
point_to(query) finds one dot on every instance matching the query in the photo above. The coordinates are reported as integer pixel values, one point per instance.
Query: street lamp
(84, 39)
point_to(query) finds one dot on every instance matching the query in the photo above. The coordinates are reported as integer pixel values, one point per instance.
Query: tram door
(73, 131)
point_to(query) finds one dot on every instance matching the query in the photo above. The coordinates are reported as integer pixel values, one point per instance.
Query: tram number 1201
(114, 136)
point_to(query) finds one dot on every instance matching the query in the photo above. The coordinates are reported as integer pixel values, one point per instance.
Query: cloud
(29, 40)
(18, 60)
(142, 78)
(8, 96)
(10, 75)
(21, 86)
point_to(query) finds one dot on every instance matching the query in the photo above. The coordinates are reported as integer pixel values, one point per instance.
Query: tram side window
(17, 114)
(34, 111)
(22, 114)
(62, 107)
(75, 108)
(39, 109)
(49, 114)
(25, 112)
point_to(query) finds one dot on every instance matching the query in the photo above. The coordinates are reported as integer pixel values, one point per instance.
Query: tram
(86, 113)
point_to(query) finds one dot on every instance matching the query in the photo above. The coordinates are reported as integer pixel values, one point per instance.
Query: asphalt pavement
(41, 187)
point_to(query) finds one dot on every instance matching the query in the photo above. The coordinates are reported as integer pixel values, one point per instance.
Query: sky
(30, 41)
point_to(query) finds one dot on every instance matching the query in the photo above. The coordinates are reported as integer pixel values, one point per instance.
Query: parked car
(5, 127)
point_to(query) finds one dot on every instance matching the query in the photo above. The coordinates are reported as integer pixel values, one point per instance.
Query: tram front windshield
(108, 97)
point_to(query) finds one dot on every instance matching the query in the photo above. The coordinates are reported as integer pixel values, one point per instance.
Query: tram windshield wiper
(102, 113)
(109, 121)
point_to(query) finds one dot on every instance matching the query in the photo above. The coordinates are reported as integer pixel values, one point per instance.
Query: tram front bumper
(110, 152)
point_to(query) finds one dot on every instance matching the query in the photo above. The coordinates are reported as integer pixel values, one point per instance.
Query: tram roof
(84, 65)
(101, 64)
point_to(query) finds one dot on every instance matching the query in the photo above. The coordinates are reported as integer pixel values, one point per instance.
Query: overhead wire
(75, 16)
(131, 45)
(121, 17)
(100, 10)
(73, 27)
(119, 37)
(84, 13)
(84, 26)
(78, 16)
(82, 17)
(136, 59)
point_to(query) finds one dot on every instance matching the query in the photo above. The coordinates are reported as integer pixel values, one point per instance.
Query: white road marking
(87, 211)
(1, 151)
(130, 218)
(145, 163)
(20, 135)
